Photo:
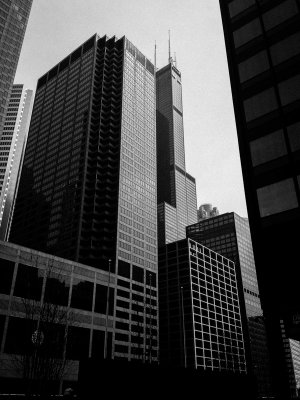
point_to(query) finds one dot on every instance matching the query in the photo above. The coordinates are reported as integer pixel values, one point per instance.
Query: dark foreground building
(13, 22)
(263, 48)
(229, 235)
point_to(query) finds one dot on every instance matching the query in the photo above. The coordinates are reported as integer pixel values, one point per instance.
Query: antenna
(170, 58)
(175, 59)
(155, 56)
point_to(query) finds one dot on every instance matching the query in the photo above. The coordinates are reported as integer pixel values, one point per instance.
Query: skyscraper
(87, 191)
(229, 235)
(88, 184)
(14, 16)
(12, 147)
(176, 189)
(263, 49)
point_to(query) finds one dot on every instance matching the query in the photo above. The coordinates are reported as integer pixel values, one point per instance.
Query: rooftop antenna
(155, 56)
(170, 58)
(175, 59)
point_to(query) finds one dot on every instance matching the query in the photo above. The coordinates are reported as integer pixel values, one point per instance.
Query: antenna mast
(155, 57)
(170, 58)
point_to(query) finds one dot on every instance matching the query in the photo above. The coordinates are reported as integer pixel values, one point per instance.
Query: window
(289, 90)
(82, 294)
(78, 343)
(285, 49)
(29, 282)
(237, 6)
(279, 14)
(137, 274)
(151, 278)
(98, 344)
(57, 289)
(124, 269)
(247, 32)
(101, 299)
(268, 148)
(253, 66)
(294, 136)
(19, 333)
(277, 197)
(7, 270)
(260, 104)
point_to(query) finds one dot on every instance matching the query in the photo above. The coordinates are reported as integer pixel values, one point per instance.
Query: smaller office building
(200, 317)
(229, 235)
(49, 304)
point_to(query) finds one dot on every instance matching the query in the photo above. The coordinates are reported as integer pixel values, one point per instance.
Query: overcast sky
(57, 27)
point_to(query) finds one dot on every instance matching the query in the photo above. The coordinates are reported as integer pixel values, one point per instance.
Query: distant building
(119, 325)
(176, 189)
(229, 235)
(13, 23)
(295, 352)
(263, 50)
(207, 211)
(12, 147)
(199, 310)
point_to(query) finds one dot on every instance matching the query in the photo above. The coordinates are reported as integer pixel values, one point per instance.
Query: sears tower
(176, 189)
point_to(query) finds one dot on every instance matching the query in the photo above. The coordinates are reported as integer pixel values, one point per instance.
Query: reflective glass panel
(267, 148)
(294, 136)
(278, 197)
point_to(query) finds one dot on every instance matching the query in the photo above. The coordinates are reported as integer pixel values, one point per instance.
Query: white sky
(57, 27)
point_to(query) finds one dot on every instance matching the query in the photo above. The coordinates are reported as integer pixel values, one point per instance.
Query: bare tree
(43, 361)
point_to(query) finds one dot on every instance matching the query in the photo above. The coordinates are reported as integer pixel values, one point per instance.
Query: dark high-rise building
(229, 235)
(199, 310)
(263, 49)
(176, 189)
(88, 184)
(12, 147)
(14, 16)
(87, 191)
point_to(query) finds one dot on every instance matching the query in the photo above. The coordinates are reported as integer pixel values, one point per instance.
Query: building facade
(263, 51)
(12, 147)
(113, 316)
(294, 346)
(88, 184)
(199, 310)
(87, 191)
(229, 235)
(176, 189)
(13, 22)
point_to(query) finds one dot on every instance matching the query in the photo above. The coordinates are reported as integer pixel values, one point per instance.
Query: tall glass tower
(176, 189)
(12, 147)
(87, 191)
(14, 16)
(88, 184)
